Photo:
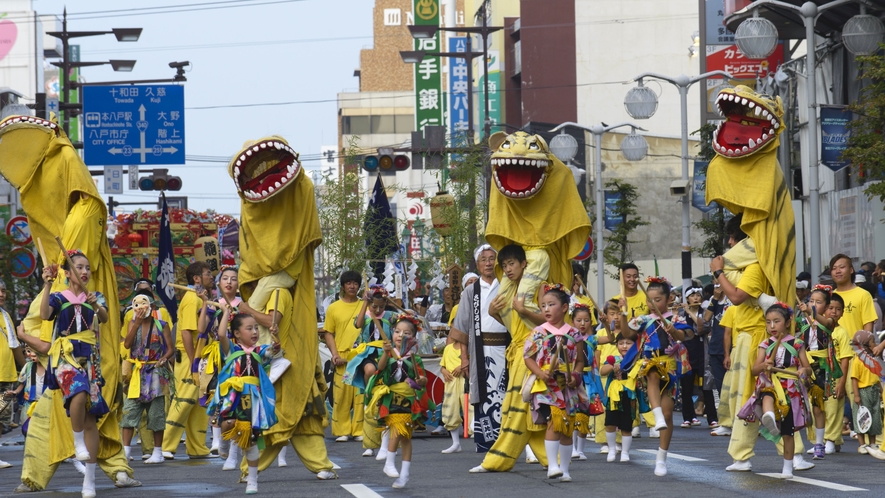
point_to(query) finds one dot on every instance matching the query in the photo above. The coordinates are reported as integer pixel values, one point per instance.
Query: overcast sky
(242, 53)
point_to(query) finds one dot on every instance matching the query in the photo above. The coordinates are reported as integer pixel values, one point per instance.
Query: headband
(657, 280)
(378, 289)
(693, 290)
(484, 247)
(409, 318)
(551, 287)
(825, 288)
(784, 306)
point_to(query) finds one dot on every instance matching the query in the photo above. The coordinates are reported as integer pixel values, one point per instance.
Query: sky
(294, 55)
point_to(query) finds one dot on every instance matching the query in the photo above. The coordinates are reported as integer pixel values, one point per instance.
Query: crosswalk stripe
(815, 482)
(677, 456)
(360, 491)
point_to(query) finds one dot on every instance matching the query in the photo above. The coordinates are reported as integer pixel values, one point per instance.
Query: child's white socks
(128, 451)
(82, 453)
(565, 458)
(611, 438)
(819, 436)
(390, 465)
(156, 456)
(660, 461)
(233, 458)
(252, 477)
(456, 443)
(625, 447)
(553, 469)
(660, 421)
(788, 469)
(89, 480)
(281, 458)
(382, 451)
(403, 475)
(216, 439)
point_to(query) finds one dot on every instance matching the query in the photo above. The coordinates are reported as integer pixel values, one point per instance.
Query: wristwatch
(717, 274)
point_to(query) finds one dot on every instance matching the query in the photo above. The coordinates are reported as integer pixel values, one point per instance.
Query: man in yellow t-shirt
(340, 335)
(859, 311)
(185, 413)
(637, 302)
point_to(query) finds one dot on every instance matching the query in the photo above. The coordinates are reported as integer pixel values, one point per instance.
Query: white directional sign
(113, 179)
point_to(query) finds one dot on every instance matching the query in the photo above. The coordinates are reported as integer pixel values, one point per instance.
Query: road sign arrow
(141, 111)
(115, 150)
(170, 150)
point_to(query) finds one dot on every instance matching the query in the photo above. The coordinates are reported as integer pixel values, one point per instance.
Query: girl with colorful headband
(660, 358)
(74, 361)
(780, 400)
(554, 355)
(394, 393)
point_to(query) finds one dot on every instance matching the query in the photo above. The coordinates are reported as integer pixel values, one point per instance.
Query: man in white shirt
(483, 343)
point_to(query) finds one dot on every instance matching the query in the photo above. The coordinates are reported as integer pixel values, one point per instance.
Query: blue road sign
(133, 124)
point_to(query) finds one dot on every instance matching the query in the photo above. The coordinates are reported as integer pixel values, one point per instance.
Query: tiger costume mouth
(749, 124)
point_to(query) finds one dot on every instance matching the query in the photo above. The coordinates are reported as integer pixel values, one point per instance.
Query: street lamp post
(639, 106)
(756, 36)
(122, 34)
(632, 154)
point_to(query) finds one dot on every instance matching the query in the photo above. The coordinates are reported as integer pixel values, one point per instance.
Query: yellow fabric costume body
(60, 199)
(535, 205)
(745, 178)
(279, 231)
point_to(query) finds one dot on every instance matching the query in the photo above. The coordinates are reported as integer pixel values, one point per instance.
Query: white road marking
(815, 482)
(677, 456)
(360, 491)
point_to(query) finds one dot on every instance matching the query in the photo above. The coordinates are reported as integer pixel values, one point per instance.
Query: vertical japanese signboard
(834, 135)
(428, 80)
(494, 68)
(458, 104)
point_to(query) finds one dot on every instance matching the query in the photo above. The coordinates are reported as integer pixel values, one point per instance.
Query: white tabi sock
(565, 457)
(819, 436)
(552, 448)
(404, 472)
(625, 447)
(128, 451)
(216, 438)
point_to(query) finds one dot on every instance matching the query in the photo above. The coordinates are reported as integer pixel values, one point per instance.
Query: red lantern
(134, 238)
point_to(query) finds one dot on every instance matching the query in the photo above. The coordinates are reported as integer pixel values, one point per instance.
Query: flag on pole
(380, 228)
(166, 264)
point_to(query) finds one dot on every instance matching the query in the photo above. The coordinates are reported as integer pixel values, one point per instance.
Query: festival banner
(699, 188)
(166, 264)
(458, 103)
(834, 135)
(428, 78)
(380, 226)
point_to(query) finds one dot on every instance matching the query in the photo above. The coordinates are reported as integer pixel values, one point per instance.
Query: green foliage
(617, 245)
(466, 215)
(705, 142)
(866, 146)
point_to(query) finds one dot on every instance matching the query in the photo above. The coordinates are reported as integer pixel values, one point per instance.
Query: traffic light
(160, 180)
(386, 160)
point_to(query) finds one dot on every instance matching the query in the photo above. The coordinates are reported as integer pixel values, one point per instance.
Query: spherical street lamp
(756, 37)
(634, 147)
(641, 102)
(862, 34)
(564, 147)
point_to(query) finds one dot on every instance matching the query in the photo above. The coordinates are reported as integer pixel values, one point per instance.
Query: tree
(617, 247)
(713, 225)
(866, 145)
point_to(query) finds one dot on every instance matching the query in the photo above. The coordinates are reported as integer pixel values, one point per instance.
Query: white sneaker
(479, 469)
(553, 471)
(382, 454)
(342, 439)
(565, 478)
(863, 450)
(390, 471)
(611, 456)
(335, 466)
(124, 481)
(326, 475)
(154, 459)
(830, 448)
(369, 452)
(358, 439)
(168, 455)
(603, 450)
(653, 433)
(400, 483)
(875, 452)
(582, 456)
(721, 431)
(660, 469)
(251, 489)
(625, 457)
(531, 459)
(800, 463)
(574, 452)
(438, 431)
(4, 465)
(810, 451)
(636, 433)
(769, 422)
(88, 492)
(455, 448)
(740, 466)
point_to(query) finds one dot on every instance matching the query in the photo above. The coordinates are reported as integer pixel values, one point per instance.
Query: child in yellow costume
(280, 230)
(60, 199)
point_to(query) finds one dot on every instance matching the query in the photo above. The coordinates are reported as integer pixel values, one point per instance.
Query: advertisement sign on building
(428, 79)
(834, 135)
(458, 103)
(715, 30)
(494, 67)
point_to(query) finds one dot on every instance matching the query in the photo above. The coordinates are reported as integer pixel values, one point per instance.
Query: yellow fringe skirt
(582, 423)
(240, 434)
(563, 423)
(401, 423)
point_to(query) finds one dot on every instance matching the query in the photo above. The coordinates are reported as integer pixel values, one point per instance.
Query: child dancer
(245, 396)
(780, 398)
(553, 355)
(211, 363)
(363, 358)
(453, 395)
(608, 327)
(582, 318)
(31, 384)
(621, 407)
(816, 331)
(74, 365)
(149, 343)
(867, 388)
(395, 390)
(662, 359)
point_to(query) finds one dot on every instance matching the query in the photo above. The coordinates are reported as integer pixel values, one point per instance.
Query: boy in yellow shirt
(453, 394)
